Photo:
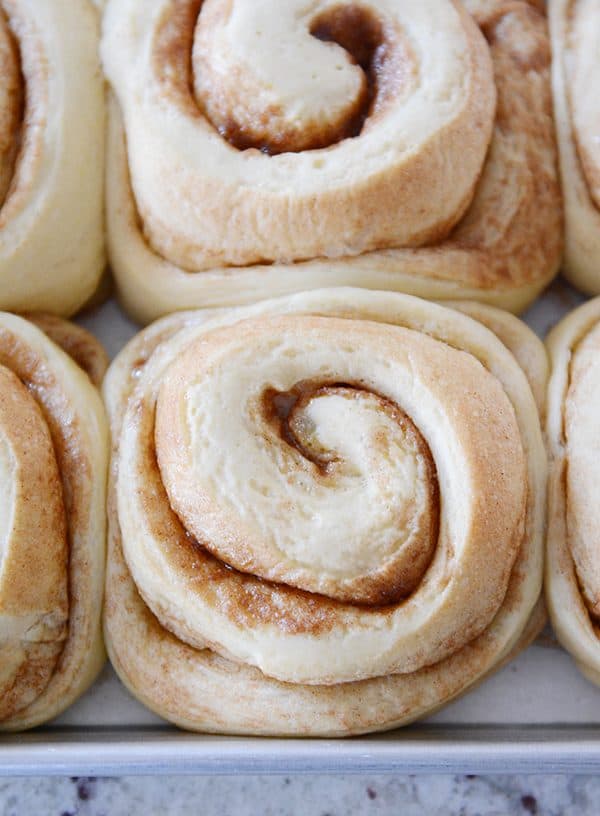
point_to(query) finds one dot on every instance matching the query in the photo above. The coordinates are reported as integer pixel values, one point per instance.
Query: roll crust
(575, 71)
(239, 224)
(572, 564)
(238, 640)
(53, 461)
(52, 142)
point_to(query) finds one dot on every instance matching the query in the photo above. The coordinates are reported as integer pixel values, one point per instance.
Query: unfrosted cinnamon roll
(325, 512)
(575, 29)
(257, 149)
(51, 155)
(573, 430)
(53, 463)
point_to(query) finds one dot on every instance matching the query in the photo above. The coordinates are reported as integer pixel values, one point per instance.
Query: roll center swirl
(331, 452)
(361, 451)
(299, 130)
(304, 78)
(277, 484)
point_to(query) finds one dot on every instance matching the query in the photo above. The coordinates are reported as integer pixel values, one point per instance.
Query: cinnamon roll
(575, 29)
(51, 155)
(257, 149)
(325, 511)
(53, 465)
(573, 430)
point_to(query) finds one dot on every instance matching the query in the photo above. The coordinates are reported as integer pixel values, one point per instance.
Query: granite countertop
(303, 795)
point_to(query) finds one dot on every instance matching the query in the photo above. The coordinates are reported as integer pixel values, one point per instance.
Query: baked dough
(52, 126)
(575, 29)
(53, 464)
(366, 475)
(234, 171)
(573, 560)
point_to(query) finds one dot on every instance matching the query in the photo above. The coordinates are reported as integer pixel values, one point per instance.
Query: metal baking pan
(537, 715)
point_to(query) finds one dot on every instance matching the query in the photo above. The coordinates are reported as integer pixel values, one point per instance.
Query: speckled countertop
(303, 795)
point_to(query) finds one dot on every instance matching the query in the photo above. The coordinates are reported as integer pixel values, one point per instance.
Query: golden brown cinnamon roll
(260, 149)
(53, 463)
(575, 28)
(51, 155)
(326, 511)
(573, 430)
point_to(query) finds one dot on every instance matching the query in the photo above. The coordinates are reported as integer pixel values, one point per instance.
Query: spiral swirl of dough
(273, 148)
(53, 460)
(51, 155)
(573, 561)
(335, 493)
